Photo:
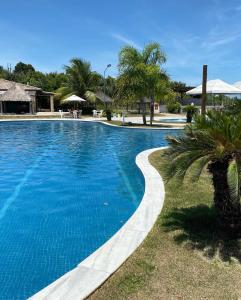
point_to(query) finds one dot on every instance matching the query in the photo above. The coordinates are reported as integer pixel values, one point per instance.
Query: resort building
(18, 98)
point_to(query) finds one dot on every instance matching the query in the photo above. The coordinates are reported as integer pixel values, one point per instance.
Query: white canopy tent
(217, 87)
(74, 98)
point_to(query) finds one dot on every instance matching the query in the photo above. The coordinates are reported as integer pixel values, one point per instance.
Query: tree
(179, 87)
(124, 94)
(2, 72)
(54, 80)
(22, 68)
(80, 79)
(110, 87)
(190, 111)
(213, 141)
(6, 73)
(156, 86)
(142, 72)
(26, 74)
(35, 78)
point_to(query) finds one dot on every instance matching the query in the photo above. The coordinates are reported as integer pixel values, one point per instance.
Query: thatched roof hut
(15, 93)
(7, 84)
(21, 98)
(103, 97)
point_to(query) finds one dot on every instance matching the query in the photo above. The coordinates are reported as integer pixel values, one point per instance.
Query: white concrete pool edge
(140, 127)
(83, 280)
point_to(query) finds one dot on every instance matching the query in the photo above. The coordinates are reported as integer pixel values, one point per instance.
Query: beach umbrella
(216, 86)
(74, 98)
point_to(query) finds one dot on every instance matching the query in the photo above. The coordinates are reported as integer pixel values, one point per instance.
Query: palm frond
(200, 165)
(63, 92)
(233, 177)
(152, 54)
(90, 96)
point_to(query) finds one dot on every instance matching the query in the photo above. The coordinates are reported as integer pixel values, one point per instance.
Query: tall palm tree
(80, 79)
(213, 141)
(142, 71)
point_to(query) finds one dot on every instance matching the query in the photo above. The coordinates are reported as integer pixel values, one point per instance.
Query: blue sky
(47, 33)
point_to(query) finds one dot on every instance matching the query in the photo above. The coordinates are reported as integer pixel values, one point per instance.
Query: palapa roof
(102, 97)
(7, 84)
(216, 86)
(15, 93)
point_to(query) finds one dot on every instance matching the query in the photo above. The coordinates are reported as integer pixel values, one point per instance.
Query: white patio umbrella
(74, 98)
(217, 87)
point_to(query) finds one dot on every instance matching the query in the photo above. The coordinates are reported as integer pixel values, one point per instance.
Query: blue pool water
(65, 188)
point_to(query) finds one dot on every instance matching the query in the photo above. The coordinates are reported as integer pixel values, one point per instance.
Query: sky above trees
(47, 34)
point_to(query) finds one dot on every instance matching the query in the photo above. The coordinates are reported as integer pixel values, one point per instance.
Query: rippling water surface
(65, 188)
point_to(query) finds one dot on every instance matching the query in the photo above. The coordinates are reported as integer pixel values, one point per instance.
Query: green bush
(190, 110)
(108, 114)
(174, 107)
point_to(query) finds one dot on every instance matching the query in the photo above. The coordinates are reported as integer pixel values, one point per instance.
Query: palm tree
(213, 141)
(142, 72)
(110, 87)
(81, 80)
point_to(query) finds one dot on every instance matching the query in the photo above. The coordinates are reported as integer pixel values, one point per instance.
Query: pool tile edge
(82, 281)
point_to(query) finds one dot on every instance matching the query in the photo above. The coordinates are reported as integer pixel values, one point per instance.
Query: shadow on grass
(197, 227)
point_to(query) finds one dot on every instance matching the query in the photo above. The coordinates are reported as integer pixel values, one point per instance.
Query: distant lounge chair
(61, 113)
(79, 114)
(100, 113)
(95, 114)
(75, 114)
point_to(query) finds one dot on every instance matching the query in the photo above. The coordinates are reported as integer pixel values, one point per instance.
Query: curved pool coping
(139, 127)
(93, 271)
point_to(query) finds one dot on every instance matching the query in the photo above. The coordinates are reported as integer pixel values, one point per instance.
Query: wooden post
(31, 107)
(1, 107)
(34, 106)
(151, 110)
(52, 103)
(204, 90)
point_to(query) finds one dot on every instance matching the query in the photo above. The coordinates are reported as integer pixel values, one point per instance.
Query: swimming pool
(65, 188)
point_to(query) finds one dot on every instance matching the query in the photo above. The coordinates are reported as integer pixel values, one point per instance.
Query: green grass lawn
(184, 256)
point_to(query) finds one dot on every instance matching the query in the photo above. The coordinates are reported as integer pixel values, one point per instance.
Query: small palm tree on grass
(142, 74)
(212, 142)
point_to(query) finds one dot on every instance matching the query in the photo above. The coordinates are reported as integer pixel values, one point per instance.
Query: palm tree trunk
(151, 110)
(228, 212)
(143, 110)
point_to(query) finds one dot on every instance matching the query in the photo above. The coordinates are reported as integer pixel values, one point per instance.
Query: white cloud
(125, 40)
(218, 38)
